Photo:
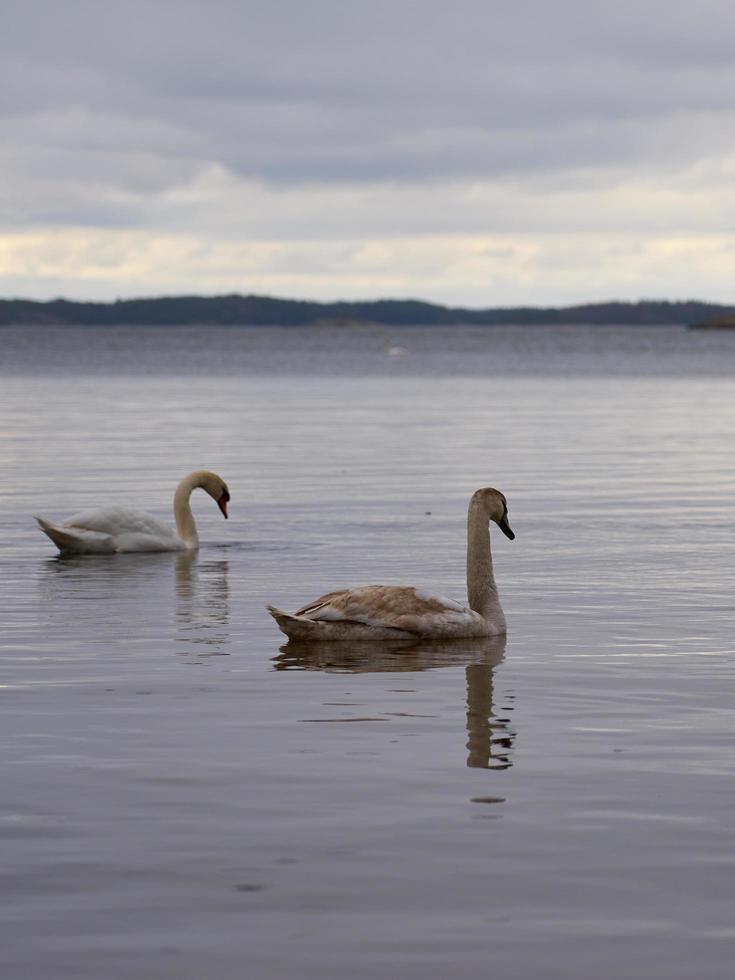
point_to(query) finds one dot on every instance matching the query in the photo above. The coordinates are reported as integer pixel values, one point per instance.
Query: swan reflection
(183, 598)
(202, 607)
(68, 582)
(489, 737)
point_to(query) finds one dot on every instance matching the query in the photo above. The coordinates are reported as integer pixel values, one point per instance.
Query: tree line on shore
(236, 310)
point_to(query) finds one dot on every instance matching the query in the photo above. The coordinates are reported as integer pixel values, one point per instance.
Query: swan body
(388, 612)
(111, 530)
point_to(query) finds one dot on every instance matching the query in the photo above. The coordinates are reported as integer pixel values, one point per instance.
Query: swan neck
(482, 592)
(185, 524)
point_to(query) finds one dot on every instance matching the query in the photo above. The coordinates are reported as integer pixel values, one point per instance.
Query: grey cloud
(316, 126)
(294, 91)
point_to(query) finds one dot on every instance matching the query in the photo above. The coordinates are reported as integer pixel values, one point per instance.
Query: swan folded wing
(395, 606)
(77, 540)
(116, 521)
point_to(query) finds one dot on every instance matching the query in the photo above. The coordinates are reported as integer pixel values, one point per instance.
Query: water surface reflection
(71, 587)
(489, 737)
(202, 609)
(179, 597)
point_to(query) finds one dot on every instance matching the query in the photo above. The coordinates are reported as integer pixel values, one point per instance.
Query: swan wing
(76, 541)
(126, 529)
(118, 520)
(391, 606)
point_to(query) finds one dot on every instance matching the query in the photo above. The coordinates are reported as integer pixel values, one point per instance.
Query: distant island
(236, 310)
(726, 322)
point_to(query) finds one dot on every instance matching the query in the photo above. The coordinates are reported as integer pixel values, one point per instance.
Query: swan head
(495, 507)
(216, 487)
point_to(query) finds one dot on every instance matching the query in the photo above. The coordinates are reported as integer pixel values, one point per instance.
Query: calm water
(184, 799)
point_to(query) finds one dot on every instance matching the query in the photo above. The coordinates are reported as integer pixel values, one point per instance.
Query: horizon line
(363, 302)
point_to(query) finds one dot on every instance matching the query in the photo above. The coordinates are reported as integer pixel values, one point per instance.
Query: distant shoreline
(726, 322)
(263, 311)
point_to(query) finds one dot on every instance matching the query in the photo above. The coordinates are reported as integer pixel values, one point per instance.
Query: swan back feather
(392, 610)
(76, 540)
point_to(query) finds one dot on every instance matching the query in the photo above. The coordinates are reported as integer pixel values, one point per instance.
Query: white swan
(393, 611)
(116, 529)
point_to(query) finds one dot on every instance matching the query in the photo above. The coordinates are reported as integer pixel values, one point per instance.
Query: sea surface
(185, 798)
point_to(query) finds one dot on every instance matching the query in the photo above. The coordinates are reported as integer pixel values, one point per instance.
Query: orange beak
(222, 504)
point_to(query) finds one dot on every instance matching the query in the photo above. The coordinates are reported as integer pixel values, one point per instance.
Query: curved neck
(482, 592)
(185, 524)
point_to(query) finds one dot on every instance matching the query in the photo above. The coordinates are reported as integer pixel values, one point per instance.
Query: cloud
(470, 270)
(226, 125)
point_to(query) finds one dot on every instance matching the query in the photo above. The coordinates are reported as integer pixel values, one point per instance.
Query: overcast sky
(472, 152)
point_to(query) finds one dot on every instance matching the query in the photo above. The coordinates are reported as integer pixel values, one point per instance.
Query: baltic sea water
(183, 798)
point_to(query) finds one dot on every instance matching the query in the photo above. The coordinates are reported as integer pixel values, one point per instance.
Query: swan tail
(296, 627)
(62, 539)
(75, 541)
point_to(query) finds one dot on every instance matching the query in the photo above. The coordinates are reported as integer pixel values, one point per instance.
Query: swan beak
(222, 504)
(506, 528)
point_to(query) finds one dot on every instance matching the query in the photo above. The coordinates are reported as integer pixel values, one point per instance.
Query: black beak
(505, 527)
